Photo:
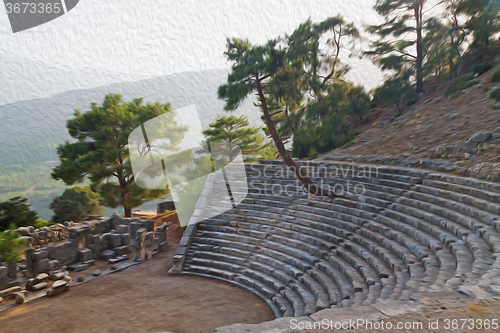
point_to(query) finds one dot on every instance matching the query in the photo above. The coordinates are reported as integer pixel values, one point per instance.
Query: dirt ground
(142, 298)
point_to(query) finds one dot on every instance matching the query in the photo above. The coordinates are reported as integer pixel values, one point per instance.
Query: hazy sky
(100, 42)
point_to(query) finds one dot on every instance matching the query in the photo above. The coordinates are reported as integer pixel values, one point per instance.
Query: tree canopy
(16, 211)
(100, 153)
(236, 131)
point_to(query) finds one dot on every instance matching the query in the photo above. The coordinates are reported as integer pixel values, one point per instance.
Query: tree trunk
(128, 211)
(297, 170)
(420, 51)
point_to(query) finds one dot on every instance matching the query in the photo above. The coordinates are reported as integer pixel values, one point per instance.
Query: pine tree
(401, 43)
(16, 211)
(100, 153)
(235, 131)
(253, 71)
(483, 20)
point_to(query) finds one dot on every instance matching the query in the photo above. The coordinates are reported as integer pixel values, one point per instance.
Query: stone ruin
(76, 246)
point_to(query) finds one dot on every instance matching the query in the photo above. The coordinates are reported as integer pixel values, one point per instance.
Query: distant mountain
(41, 118)
(25, 79)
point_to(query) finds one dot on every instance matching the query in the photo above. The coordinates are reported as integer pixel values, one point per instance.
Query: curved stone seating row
(485, 249)
(410, 230)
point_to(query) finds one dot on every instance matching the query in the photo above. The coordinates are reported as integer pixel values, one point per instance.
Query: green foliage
(396, 90)
(460, 84)
(483, 21)
(496, 76)
(397, 48)
(101, 154)
(10, 241)
(40, 223)
(495, 95)
(269, 153)
(235, 131)
(76, 203)
(481, 68)
(334, 131)
(283, 72)
(16, 211)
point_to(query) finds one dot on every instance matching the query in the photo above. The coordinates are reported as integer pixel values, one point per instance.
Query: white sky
(100, 42)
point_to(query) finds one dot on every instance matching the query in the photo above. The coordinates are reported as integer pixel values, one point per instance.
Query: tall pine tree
(100, 153)
(401, 36)
(253, 71)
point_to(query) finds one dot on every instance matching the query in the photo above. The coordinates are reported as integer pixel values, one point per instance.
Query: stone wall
(102, 238)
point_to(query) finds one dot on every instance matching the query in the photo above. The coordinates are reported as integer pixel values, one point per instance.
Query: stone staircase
(394, 232)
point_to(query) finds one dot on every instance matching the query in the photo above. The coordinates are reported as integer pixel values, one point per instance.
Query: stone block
(162, 228)
(115, 241)
(123, 229)
(95, 248)
(107, 254)
(57, 276)
(9, 292)
(42, 266)
(58, 287)
(121, 250)
(11, 270)
(126, 239)
(161, 236)
(39, 286)
(149, 225)
(89, 263)
(81, 267)
(85, 254)
(96, 239)
(66, 253)
(118, 259)
(140, 246)
(20, 298)
(39, 255)
(54, 264)
(162, 247)
(134, 226)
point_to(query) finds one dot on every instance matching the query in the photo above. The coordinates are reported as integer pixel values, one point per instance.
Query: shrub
(496, 76)
(460, 84)
(495, 94)
(481, 68)
(75, 203)
(10, 240)
(39, 223)
(16, 211)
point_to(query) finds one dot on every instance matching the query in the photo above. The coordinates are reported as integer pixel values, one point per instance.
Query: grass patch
(458, 85)
(495, 95)
(496, 76)
(481, 68)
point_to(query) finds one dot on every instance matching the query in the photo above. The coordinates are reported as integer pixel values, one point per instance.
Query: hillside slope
(435, 128)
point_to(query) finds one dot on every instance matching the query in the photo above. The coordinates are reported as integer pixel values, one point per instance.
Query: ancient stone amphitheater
(394, 233)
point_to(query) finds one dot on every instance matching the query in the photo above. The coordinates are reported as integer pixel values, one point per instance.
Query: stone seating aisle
(408, 231)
